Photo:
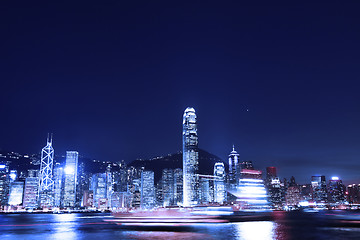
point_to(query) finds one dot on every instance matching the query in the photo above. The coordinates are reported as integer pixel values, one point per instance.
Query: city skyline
(109, 78)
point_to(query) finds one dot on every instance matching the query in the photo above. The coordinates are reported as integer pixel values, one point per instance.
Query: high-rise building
(99, 188)
(206, 191)
(30, 192)
(336, 190)
(46, 183)
(353, 193)
(134, 188)
(16, 193)
(58, 184)
(178, 191)
(4, 184)
(293, 193)
(168, 187)
(318, 187)
(234, 168)
(275, 193)
(190, 158)
(219, 183)
(147, 190)
(71, 167)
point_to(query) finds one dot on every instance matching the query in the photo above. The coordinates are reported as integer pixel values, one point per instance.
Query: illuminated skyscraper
(16, 193)
(234, 168)
(190, 158)
(46, 183)
(219, 183)
(318, 186)
(336, 190)
(178, 191)
(99, 188)
(168, 186)
(70, 178)
(147, 190)
(4, 184)
(58, 184)
(30, 192)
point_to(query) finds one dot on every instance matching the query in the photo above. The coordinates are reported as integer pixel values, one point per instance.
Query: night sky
(111, 79)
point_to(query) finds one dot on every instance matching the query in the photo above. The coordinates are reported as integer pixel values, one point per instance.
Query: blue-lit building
(234, 168)
(30, 193)
(16, 193)
(46, 183)
(99, 187)
(70, 171)
(336, 191)
(319, 189)
(147, 190)
(4, 184)
(219, 183)
(168, 187)
(190, 158)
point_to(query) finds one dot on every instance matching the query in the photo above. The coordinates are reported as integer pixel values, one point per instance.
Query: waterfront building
(58, 184)
(168, 187)
(70, 170)
(219, 183)
(30, 192)
(99, 188)
(353, 193)
(305, 192)
(292, 196)
(82, 184)
(46, 183)
(147, 190)
(178, 191)
(16, 193)
(206, 193)
(4, 184)
(234, 168)
(120, 201)
(336, 190)
(275, 193)
(190, 158)
(134, 188)
(88, 199)
(319, 190)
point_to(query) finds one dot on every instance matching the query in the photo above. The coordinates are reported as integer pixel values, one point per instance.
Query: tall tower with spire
(234, 168)
(46, 183)
(190, 158)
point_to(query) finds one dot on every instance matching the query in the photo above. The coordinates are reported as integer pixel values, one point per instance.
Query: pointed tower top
(233, 147)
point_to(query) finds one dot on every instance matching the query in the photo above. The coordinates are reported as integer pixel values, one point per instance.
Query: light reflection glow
(255, 230)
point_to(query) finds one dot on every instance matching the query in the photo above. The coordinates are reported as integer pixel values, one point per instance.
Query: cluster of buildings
(66, 185)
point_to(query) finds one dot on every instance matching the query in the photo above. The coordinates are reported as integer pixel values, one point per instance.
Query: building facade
(190, 158)
(70, 171)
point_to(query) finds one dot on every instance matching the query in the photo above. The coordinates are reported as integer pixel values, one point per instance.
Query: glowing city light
(335, 178)
(69, 170)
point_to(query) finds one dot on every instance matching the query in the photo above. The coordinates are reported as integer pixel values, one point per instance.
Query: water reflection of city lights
(144, 235)
(66, 227)
(255, 230)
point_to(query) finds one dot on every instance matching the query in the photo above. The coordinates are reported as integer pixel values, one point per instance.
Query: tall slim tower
(234, 168)
(190, 158)
(219, 183)
(46, 183)
(70, 170)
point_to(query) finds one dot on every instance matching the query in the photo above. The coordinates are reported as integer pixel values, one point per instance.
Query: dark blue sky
(111, 79)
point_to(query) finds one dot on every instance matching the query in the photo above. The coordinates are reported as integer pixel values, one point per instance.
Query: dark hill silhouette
(172, 161)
